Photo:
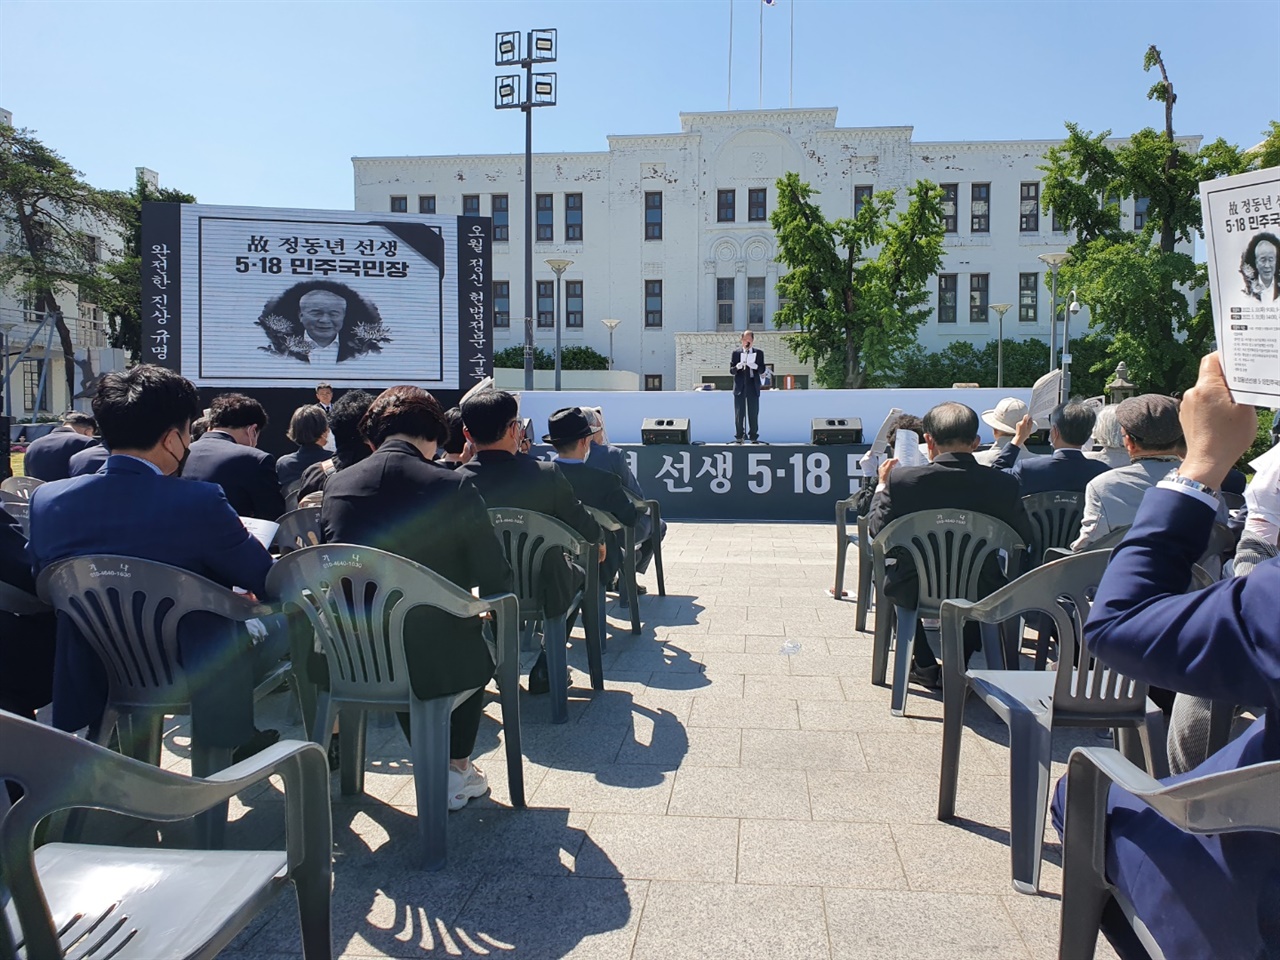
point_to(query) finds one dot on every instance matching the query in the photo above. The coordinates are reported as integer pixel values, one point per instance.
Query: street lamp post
(612, 325)
(514, 92)
(6, 329)
(1001, 309)
(558, 267)
(1055, 262)
(1064, 388)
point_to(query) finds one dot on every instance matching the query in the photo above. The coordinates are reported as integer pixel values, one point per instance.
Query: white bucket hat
(1006, 415)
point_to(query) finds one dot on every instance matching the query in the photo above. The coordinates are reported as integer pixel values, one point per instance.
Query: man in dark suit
(1068, 469)
(48, 457)
(89, 460)
(138, 508)
(570, 433)
(228, 455)
(1215, 895)
(26, 642)
(746, 364)
(398, 500)
(953, 480)
(605, 456)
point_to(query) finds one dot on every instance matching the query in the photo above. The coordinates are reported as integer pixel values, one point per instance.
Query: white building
(669, 233)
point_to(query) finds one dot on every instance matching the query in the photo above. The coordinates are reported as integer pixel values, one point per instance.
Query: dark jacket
(746, 382)
(49, 457)
(89, 460)
(26, 643)
(603, 491)
(246, 475)
(131, 510)
(396, 500)
(289, 468)
(1067, 469)
(604, 456)
(954, 481)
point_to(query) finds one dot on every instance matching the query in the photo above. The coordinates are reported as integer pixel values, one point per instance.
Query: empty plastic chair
(20, 487)
(627, 575)
(654, 509)
(298, 528)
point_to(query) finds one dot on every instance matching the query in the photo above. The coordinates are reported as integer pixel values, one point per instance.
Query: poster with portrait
(240, 296)
(1242, 240)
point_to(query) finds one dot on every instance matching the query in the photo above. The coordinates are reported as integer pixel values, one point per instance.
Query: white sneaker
(466, 786)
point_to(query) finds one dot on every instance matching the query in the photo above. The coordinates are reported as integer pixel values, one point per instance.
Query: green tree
(856, 312)
(1139, 287)
(581, 358)
(1267, 153)
(122, 296)
(512, 358)
(47, 212)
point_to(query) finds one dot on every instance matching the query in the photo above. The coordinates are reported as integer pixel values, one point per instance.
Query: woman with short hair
(309, 429)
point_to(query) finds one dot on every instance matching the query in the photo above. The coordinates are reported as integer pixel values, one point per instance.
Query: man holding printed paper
(746, 364)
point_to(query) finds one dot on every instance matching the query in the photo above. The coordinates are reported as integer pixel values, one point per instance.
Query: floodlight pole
(527, 107)
(1055, 262)
(558, 266)
(1000, 309)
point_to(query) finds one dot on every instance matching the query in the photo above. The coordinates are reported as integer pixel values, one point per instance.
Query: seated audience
(136, 507)
(399, 501)
(1108, 439)
(351, 446)
(48, 457)
(26, 642)
(457, 449)
(953, 480)
(324, 400)
(1067, 469)
(1152, 435)
(1215, 895)
(605, 456)
(199, 426)
(228, 455)
(1003, 421)
(89, 460)
(309, 429)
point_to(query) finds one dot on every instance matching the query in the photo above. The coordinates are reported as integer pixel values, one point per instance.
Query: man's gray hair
(1106, 429)
(593, 418)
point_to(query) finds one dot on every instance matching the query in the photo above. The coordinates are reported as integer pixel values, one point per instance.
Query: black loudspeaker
(6, 448)
(665, 431)
(836, 430)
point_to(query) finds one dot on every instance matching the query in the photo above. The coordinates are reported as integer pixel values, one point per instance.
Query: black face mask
(186, 455)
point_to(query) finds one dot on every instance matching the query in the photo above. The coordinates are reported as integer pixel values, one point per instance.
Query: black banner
(475, 312)
(161, 285)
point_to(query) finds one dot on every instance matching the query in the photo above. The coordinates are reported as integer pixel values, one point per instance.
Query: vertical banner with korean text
(475, 313)
(161, 307)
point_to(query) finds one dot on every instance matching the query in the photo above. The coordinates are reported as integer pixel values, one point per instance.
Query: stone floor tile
(804, 853)
(794, 688)
(962, 857)
(923, 751)
(1037, 920)
(739, 792)
(741, 713)
(613, 788)
(802, 750)
(670, 745)
(652, 847)
(748, 664)
(892, 925)
(700, 684)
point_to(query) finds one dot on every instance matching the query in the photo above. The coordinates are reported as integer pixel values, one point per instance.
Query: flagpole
(729, 105)
(760, 97)
(791, 84)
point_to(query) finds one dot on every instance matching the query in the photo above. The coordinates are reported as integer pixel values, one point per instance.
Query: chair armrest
(506, 607)
(606, 520)
(953, 614)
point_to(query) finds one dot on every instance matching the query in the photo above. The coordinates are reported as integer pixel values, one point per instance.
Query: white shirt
(324, 355)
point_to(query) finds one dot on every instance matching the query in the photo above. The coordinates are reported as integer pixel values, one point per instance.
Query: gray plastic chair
(526, 536)
(1032, 702)
(298, 528)
(949, 548)
(19, 487)
(654, 509)
(96, 902)
(129, 610)
(20, 510)
(863, 539)
(1234, 501)
(364, 645)
(1232, 801)
(627, 575)
(1055, 521)
(19, 602)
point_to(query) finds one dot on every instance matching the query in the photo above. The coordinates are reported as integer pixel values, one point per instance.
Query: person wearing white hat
(1003, 421)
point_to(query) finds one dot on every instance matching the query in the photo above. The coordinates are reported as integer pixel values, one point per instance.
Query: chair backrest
(356, 599)
(949, 549)
(1055, 520)
(312, 499)
(1110, 539)
(20, 511)
(20, 487)
(1222, 545)
(298, 528)
(526, 536)
(1234, 501)
(129, 611)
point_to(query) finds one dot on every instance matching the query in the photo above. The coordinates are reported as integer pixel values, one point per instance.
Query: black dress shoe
(539, 679)
(930, 677)
(260, 740)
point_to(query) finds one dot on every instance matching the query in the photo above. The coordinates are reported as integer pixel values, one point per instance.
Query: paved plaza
(739, 790)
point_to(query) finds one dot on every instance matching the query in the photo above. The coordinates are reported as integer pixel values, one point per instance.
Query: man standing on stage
(746, 364)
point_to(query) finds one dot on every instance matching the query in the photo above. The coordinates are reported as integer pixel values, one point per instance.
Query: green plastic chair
(654, 510)
(863, 540)
(627, 576)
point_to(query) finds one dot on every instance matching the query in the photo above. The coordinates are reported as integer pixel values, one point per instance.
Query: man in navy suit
(605, 456)
(138, 508)
(26, 642)
(746, 364)
(228, 455)
(89, 460)
(1199, 896)
(1068, 469)
(48, 457)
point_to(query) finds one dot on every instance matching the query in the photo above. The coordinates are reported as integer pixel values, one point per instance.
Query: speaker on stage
(836, 430)
(665, 430)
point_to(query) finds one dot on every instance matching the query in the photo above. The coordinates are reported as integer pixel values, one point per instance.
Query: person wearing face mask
(137, 508)
(228, 455)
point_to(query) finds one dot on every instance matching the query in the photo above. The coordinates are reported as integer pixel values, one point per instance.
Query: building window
(653, 381)
(1029, 208)
(653, 215)
(471, 205)
(426, 203)
(1029, 297)
(573, 303)
(724, 301)
(546, 217)
(726, 206)
(755, 301)
(860, 196)
(978, 297)
(546, 303)
(1140, 205)
(92, 248)
(501, 218)
(399, 204)
(950, 203)
(31, 384)
(653, 302)
(501, 303)
(573, 217)
(980, 208)
(1057, 224)
(946, 298)
(758, 204)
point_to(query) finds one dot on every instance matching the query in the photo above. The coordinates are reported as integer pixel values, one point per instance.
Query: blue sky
(264, 103)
